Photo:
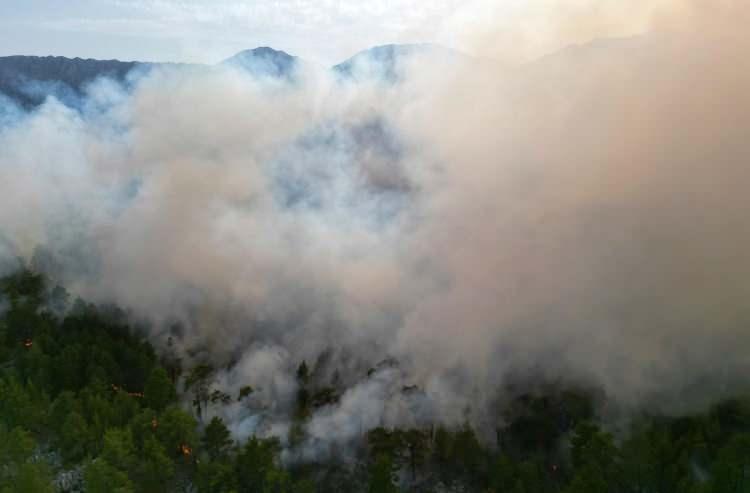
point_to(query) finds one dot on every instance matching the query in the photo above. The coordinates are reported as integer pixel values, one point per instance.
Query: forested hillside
(87, 404)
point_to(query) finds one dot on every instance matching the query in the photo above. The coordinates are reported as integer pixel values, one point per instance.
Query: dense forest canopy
(87, 404)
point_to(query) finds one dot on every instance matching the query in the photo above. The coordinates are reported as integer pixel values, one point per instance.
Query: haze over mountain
(30, 79)
(386, 62)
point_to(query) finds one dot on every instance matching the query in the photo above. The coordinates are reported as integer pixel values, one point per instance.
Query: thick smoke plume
(582, 216)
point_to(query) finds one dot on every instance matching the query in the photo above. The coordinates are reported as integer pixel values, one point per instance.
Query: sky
(209, 30)
(322, 31)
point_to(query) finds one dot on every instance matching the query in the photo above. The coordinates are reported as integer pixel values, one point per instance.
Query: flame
(131, 394)
(186, 450)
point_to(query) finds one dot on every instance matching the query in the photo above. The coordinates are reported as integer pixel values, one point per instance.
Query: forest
(88, 404)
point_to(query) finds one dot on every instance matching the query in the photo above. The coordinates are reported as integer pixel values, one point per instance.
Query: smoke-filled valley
(444, 240)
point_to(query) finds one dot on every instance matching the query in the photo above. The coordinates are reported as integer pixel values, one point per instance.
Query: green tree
(177, 430)
(277, 480)
(216, 439)
(382, 476)
(531, 478)
(385, 442)
(503, 476)
(594, 457)
(197, 382)
(215, 477)
(101, 477)
(16, 448)
(304, 486)
(23, 405)
(33, 478)
(73, 439)
(588, 479)
(731, 470)
(467, 453)
(119, 449)
(593, 447)
(155, 469)
(416, 444)
(303, 373)
(297, 432)
(124, 408)
(245, 391)
(63, 406)
(144, 424)
(16, 445)
(442, 448)
(159, 390)
(218, 397)
(98, 412)
(255, 460)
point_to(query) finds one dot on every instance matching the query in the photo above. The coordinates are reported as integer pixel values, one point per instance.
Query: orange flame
(131, 394)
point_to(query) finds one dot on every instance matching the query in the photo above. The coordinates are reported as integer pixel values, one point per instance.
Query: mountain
(30, 79)
(265, 62)
(386, 62)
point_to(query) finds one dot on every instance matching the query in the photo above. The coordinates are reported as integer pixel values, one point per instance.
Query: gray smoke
(583, 216)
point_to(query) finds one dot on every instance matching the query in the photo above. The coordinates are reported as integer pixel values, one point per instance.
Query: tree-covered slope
(87, 404)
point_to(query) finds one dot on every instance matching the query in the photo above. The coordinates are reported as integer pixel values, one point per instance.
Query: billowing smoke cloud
(581, 217)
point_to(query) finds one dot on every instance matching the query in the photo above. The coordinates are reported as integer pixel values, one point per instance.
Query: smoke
(580, 217)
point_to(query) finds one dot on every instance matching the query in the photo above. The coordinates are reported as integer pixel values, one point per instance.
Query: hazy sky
(210, 30)
(325, 31)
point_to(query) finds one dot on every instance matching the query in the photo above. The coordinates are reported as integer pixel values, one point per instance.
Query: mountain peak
(262, 51)
(264, 61)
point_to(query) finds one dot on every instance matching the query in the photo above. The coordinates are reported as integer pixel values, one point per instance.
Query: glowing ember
(131, 394)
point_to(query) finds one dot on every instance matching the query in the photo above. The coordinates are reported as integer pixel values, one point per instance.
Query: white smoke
(583, 215)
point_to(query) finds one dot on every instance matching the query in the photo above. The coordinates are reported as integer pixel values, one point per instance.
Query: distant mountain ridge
(29, 79)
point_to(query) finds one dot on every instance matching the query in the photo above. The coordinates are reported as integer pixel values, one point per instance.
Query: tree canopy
(82, 390)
